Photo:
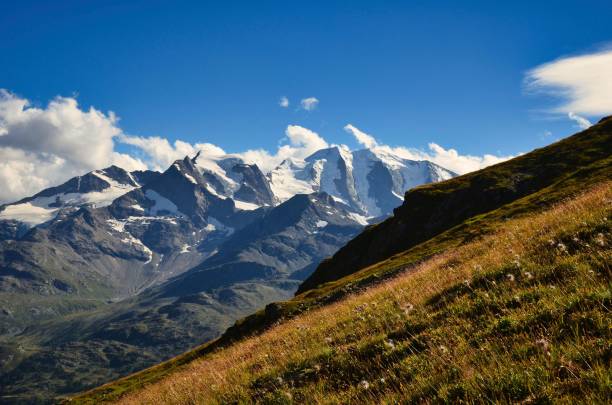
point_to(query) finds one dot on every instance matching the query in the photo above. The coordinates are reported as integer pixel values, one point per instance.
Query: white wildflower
(543, 345)
(407, 308)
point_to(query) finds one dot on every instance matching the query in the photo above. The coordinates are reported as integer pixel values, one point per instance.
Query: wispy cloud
(447, 158)
(309, 103)
(582, 122)
(283, 102)
(583, 83)
(361, 137)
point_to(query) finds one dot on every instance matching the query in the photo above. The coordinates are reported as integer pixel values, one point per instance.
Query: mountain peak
(195, 158)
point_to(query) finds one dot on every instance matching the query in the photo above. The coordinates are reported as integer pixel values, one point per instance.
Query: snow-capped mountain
(372, 182)
(98, 188)
(231, 177)
(164, 260)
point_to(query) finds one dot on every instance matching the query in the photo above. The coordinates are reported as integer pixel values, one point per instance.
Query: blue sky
(407, 72)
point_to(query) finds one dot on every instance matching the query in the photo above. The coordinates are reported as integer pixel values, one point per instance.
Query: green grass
(576, 163)
(522, 314)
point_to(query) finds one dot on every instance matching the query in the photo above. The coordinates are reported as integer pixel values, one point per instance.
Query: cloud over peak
(447, 158)
(42, 147)
(362, 138)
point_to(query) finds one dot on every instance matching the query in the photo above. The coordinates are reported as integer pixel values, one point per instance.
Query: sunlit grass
(519, 315)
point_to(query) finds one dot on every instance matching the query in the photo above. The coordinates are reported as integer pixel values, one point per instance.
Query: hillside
(477, 228)
(431, 209)
(520, 315)
(115, 271)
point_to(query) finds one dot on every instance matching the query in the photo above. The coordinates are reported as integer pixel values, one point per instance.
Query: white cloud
(160, 153)
(309, 103)
(582, 122)
(364, 139)
(40, 147)
(302, 143)
(583, 82)
(283, 102)
(447, 158)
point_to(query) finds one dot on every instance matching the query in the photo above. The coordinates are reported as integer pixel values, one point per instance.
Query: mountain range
(113, 271)
(492, 286)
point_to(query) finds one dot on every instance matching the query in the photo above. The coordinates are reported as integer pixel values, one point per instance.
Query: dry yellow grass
(520, 315)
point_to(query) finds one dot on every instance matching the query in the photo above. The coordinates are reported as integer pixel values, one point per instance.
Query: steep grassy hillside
(541, 181)
(431, 209)
(522, 314)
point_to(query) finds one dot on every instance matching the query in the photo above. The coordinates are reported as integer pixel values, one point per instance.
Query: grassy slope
(431, 209)
(568, 184)
(522, 314)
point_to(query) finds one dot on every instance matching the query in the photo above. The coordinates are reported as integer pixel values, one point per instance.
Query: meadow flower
(364, 384)
(599, 239)
(528, 275)
(328, 340)
(390, 344)
(443, 349)
(561, 246)
(543, 345)
(510, 277)
(407, 307)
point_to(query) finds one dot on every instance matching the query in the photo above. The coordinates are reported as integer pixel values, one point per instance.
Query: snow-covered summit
(98, 188)
(371, 181)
